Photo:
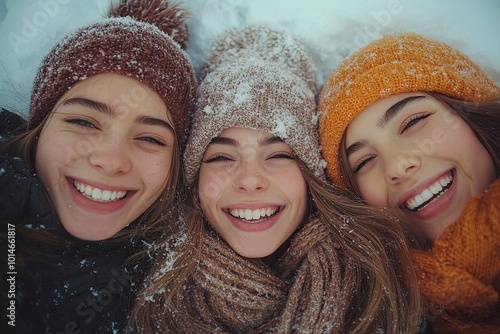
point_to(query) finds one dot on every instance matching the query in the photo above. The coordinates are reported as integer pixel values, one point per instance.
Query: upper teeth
(428, 193)
(248, 214)
(99, 195)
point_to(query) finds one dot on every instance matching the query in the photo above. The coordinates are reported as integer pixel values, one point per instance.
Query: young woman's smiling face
(252, 191)
(104, 154)
(411, 152)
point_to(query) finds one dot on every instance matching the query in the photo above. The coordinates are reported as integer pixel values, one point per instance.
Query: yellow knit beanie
(388, 66)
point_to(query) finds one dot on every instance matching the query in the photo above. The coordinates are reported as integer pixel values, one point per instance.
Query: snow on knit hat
(261, 79)
(388, 66)
(136, 40)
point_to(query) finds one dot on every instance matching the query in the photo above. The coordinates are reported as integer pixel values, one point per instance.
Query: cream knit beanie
(262, 79)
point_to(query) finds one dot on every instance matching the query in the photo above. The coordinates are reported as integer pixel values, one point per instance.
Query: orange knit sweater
(460, 276)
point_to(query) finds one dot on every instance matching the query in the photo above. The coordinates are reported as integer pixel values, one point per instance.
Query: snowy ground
(331, 29)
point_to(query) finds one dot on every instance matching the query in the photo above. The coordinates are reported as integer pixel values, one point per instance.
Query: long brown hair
(385, 294)
(484, 120)
(387, 288)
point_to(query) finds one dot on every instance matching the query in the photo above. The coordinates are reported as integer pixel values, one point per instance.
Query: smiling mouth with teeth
(430, 194)
(253, 216)
(97, 194)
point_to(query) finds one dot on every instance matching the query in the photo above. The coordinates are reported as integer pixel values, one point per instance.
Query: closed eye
(152, 141)
(361, 163)
(80, 122)
(217, 158)
(281, 155)
(413, 120)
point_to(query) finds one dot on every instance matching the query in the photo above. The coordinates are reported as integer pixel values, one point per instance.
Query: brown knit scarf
(307, 291)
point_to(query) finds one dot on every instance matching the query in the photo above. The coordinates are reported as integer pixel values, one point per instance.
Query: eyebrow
(108, 110)
(223, 141)
(270, 140)
(355, 147)
(397, 107)
(146, 120)
(235, 143)
(97, 106)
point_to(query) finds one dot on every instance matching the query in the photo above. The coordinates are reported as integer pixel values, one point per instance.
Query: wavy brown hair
(371, 248)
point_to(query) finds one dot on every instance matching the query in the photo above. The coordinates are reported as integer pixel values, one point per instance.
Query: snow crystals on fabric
(243, 93)
(208, 110)
(259, 79)
(284, 123)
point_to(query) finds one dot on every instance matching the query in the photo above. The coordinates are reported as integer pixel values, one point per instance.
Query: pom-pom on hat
(139, 39)
(261, 79)
(388, 66)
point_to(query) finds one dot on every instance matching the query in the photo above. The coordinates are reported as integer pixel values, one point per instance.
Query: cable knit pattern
(460, 276)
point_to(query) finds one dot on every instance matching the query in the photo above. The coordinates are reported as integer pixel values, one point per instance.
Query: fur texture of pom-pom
(167, 16)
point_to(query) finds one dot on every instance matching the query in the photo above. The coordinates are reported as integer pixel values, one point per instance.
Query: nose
(250, 178)
(111, 156)
(400, 166)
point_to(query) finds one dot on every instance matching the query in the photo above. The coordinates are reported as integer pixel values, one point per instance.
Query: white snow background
(330, 29)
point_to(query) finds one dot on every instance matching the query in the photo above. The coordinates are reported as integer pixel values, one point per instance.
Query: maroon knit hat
(139, 39)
